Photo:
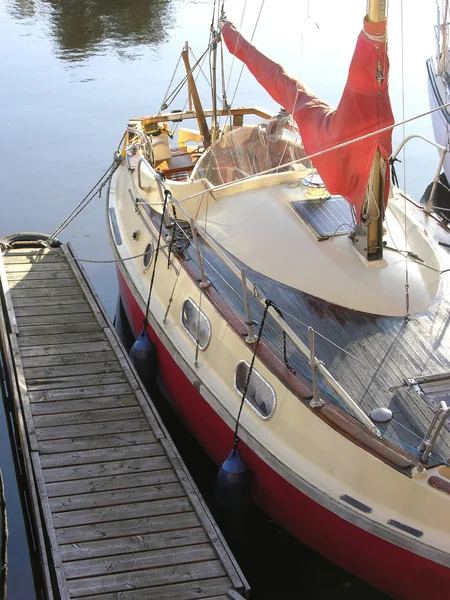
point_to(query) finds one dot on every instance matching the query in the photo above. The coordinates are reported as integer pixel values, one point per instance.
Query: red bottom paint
(390, 568)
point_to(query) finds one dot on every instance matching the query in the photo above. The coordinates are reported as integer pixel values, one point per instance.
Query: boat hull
(383, 564)
(439, 95)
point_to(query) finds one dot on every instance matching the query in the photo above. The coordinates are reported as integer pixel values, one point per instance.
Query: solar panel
(326, 217)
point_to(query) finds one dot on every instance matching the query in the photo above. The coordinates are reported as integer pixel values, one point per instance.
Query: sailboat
(438, 68)
(298, 306)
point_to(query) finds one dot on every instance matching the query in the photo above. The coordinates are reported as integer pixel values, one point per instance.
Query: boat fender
(233, 497)
(144, 357)
(233, 478)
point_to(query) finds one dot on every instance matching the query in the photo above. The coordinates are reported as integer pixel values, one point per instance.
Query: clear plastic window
(252, 149)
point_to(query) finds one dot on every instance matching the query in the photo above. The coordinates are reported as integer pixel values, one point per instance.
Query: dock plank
(72, 381)
(56, 319)
(38, 266)
(96, 455)
(59, 328)
(120, 512)
(121, 440)
(118, 467)
(111, 483)
(35, 374)
(91, 391)
(21, 284)
(59, 307)
(132, 510)
(115, 529)
(44, 292)
(86, 404)
(68, 359)
(49, 300)
(193, 590)
(38, 275)
(63, 349)
(134, 543)
(61, 432)
(136, 561)
(88, 416)
(61, 338)
(157, 576)
(117, 497)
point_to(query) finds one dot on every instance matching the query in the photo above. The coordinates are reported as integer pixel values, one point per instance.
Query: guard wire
(166, 197)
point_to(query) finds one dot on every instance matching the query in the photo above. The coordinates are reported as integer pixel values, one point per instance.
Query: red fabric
(364, 107)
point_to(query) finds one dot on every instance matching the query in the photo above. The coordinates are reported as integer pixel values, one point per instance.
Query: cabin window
(196, 323)
(260, 394)
(148, 255)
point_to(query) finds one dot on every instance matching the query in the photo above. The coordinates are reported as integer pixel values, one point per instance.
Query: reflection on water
(88, 27)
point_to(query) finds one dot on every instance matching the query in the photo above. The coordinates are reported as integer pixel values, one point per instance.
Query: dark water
(72, 72)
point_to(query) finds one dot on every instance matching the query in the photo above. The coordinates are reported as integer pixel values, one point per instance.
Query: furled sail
(364, 108)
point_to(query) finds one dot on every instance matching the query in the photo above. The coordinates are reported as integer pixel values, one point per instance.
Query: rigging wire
(179, 87)
(96, 189)
(147, 308)
(405, 226)
(251, 39)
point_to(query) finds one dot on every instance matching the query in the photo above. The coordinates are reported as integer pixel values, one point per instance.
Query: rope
(97, 189)
(249, 374)
(166, 196)
(117, 260)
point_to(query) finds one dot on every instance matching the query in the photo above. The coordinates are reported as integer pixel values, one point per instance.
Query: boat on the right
(438, 67)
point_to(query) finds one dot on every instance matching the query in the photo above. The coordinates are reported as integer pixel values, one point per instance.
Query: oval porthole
(148, 255)
(260, 394)
(196, 323)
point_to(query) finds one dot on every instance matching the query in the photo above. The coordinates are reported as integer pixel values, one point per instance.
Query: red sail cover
(364, 107)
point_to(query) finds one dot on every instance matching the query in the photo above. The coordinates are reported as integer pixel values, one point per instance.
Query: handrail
(426, 446)
(443, 151)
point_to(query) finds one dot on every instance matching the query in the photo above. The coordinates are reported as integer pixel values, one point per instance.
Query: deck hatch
(326, 217)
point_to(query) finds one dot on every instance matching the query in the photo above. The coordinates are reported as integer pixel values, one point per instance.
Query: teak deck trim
(43, 430)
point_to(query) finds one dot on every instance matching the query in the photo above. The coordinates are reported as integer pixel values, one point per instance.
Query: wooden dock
(116, 513)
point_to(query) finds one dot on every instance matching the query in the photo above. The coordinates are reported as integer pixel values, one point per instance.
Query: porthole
(148, 255)
(196, 323)
(260, 394)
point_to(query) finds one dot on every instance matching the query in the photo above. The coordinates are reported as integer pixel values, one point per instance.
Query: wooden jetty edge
(116, 512)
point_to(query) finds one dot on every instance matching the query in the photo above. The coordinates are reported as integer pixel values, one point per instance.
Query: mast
(193, 93)
(376, 12)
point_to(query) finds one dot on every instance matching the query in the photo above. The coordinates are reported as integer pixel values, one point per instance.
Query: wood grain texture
(198, 589)
(118, 511)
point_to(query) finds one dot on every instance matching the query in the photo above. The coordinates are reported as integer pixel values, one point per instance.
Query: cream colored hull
(295, 445)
